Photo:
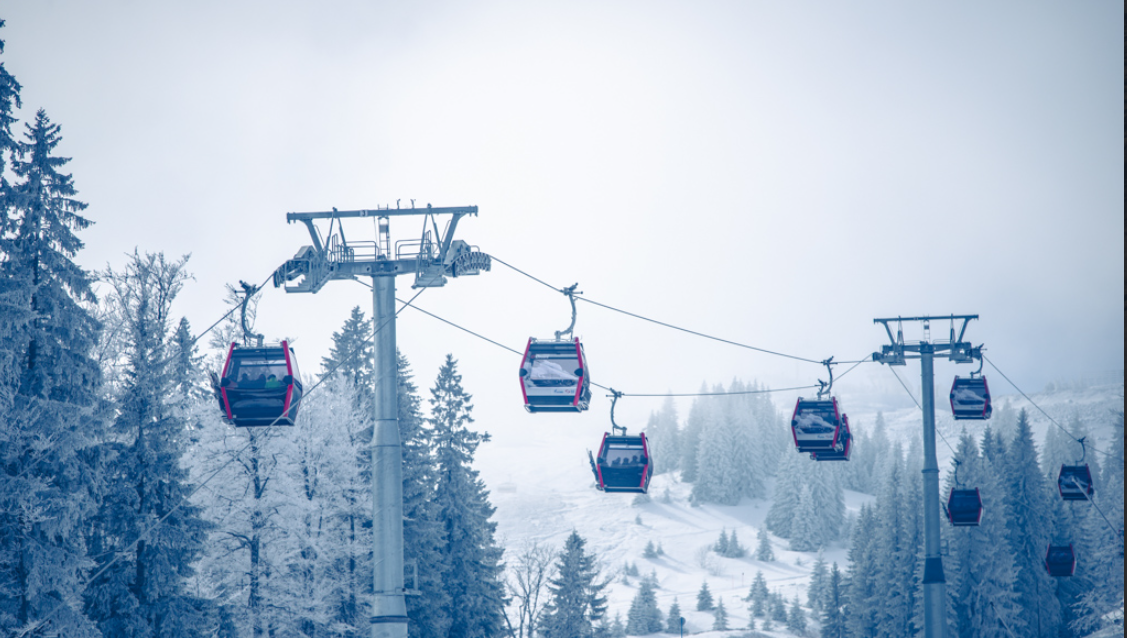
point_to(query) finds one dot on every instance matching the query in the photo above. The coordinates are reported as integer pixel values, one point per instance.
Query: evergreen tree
(1103, 560)
(735, 550)
(721, 546)
(784, 502)
(816, 591)
(758, 595)
(864, 604)
(50, 412)
(833, 620)
(763, 550)
(663, 436)
(896, 570)
(144, 591)
(720, 617)
(473, 579)
(617, 628)
(352, 351)
(796, 618)
(980, 568)
(690, 436)
(644, 617)
(650, 551)
(805, 535)
(424, 542)
(575, 594)
(673, 619)
(1028, 529)
(777, 607)
(704, 598)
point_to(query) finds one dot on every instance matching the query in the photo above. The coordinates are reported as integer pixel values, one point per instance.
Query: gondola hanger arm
(614, 426)
(570, 292)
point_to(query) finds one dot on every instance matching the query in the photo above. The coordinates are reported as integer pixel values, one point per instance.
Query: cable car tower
(896, 354)
(431, 259)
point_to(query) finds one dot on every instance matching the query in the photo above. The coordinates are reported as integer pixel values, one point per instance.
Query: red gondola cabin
(623, 464)
(816, 425)
(964, 507)
(260, 386)
(554, 376)
(1060, 561)
(1075, 483)
(970, 399)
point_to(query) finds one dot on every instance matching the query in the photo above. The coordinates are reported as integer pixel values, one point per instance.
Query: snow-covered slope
(542, 487)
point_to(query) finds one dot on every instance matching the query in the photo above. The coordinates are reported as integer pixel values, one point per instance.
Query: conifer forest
(134, 503)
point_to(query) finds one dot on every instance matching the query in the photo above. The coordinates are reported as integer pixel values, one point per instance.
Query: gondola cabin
(260, 386)
(816, 425)
(844, 445)
(623, 464)
(964, 507)
(554, 376)
(1060, 561)
(1075, 483)
(970, 399)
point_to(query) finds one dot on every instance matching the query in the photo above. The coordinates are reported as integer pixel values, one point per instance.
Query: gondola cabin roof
(623, 464)
(554, 376)
(816, 425)
(1074, 482)
(1060, 561)
(260, 386)
(970, 399)
(964, 507)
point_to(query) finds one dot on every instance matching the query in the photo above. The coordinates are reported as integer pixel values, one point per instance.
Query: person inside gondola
(272, 382)
(244, 380)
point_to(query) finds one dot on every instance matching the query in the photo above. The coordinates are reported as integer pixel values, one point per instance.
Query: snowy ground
(542, 487)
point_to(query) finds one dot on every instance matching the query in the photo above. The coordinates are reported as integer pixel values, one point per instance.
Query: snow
(541, 484)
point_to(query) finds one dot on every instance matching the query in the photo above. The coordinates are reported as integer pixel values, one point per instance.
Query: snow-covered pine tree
(650, 551)
(50, 411)
(777, 607)
(833, 620)
(576, 599)
(704, 598)
(788, 483)
(663, 436)
(1028, 529)
(699, 415)
(796, 617)
(673, 618)
(735, 550)
(898, 555)
(805, 532)
(758, 595)
(351, 352)
(979, 567)
(423, 533)
(1104, 557)
(144, 590)
(644, 616)
(863, 594)
(763, 551)
(720, 616)
(473, 580)
(721, 545)
(819, 581)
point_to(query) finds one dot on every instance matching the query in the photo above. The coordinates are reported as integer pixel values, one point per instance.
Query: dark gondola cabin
(623, 464)
(554, 376)
(816, 425)
(970, 399)
(844, 445)
(964, 507)
(260, 386)
(1075, 483)
(1060, 561)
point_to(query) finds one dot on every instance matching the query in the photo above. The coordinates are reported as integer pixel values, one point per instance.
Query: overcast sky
(773, 173)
